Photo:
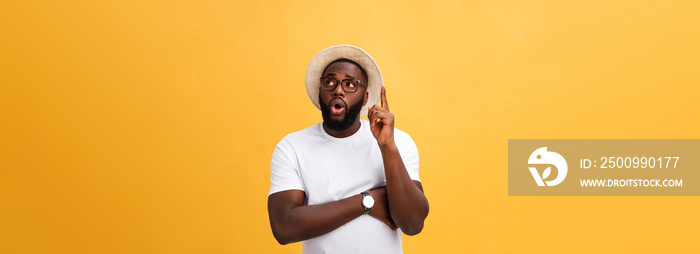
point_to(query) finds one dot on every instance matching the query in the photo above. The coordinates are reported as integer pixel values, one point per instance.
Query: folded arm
(292, 221)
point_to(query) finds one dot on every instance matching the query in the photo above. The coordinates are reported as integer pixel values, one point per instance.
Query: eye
(349, 83)
(328, 82)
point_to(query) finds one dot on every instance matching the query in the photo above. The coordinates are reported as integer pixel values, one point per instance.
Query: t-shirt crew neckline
(351, 137)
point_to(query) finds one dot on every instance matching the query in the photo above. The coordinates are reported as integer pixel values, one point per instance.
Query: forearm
(303, 222)
(407, 203)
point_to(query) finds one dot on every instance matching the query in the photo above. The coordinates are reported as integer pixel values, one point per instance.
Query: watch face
(368, 201)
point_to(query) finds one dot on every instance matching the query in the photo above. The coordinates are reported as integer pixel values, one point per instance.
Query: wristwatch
(367, 201)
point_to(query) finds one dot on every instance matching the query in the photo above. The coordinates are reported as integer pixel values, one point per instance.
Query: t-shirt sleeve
(409, 154)
(284, 170)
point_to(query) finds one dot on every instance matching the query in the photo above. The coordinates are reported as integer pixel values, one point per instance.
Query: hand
(380, 210)
(381, 121)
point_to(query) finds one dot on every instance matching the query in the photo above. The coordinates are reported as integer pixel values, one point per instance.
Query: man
(346, 185)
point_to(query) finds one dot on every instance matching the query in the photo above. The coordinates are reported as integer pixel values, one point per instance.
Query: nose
(338, 91)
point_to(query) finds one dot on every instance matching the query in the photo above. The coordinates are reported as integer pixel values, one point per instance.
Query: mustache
(337, 100)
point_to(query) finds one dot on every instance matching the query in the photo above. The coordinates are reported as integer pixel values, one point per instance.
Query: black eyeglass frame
(342, 84)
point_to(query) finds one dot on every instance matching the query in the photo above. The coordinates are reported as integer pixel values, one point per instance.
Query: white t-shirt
(328, 169)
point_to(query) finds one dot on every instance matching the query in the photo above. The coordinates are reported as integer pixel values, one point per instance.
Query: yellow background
(148, 127)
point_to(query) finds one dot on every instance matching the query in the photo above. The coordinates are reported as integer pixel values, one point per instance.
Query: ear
(366, 98)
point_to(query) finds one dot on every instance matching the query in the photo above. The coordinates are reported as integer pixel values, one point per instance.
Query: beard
(351, 115)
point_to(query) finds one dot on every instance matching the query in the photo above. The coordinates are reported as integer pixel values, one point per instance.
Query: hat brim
(319, 63)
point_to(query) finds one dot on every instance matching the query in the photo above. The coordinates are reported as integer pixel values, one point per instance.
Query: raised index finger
(385, 104)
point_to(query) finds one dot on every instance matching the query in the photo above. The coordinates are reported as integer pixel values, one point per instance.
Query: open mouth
(337, 106)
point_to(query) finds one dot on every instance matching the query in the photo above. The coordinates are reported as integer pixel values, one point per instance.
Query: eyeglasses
(348, 85)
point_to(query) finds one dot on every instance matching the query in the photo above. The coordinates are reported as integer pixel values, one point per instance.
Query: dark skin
(401, 203)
